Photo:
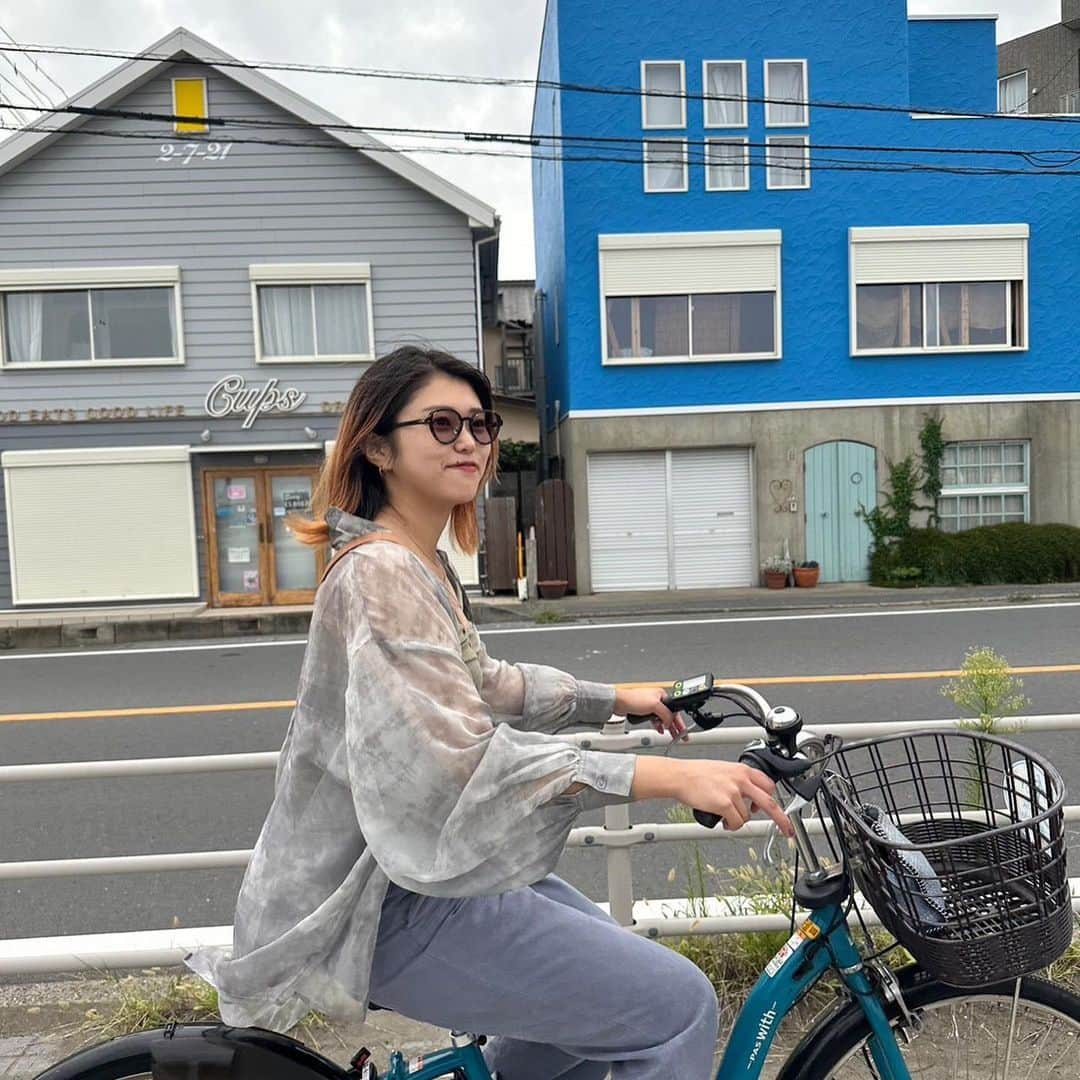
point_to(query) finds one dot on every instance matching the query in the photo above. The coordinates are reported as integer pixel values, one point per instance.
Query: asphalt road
(64, 819)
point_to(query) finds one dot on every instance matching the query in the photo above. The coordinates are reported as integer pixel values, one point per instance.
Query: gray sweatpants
(562, 989)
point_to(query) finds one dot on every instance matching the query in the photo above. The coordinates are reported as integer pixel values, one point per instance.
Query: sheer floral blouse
(411, 756)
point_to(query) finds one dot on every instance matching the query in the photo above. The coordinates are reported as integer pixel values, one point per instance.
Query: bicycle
(957, 842)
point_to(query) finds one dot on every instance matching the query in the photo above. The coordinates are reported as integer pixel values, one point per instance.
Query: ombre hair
(352, 483)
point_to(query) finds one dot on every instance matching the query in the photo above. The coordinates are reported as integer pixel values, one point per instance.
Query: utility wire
(534, 84)
(813, 164)
(36, 66)
(1042, 157)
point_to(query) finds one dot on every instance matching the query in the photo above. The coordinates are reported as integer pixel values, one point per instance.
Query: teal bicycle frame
(821, 943)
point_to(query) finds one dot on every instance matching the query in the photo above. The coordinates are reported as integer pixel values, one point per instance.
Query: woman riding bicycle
(421, 801)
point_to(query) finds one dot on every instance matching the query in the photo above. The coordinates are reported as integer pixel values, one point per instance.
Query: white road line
(568, 627)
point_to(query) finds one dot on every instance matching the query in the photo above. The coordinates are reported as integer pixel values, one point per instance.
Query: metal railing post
(620, 870)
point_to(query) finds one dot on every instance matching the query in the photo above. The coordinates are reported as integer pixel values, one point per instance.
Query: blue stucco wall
(858, 51)
(953, 64)
(548, 208)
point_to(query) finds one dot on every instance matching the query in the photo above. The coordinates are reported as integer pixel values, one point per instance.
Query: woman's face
(440, 473)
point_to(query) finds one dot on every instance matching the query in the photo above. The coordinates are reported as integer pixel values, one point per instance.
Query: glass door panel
(238, 534)
(295, 564)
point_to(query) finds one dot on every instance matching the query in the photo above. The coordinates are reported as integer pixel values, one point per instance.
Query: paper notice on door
(239, 555)
(279, 511)
(251, 581)
(236, 491)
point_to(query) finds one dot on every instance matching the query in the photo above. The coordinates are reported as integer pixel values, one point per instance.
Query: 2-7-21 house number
(185, 153)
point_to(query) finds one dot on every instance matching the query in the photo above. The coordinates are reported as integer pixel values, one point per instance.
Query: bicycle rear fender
(200, 1052)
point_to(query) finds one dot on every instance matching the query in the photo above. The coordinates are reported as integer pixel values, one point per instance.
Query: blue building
(767, 249)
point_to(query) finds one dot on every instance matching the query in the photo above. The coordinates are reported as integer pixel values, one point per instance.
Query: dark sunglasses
(446, 424)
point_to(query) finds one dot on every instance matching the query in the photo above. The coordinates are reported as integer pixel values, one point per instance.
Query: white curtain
(341, 320)
(987, 313)
(786, 85)
(786, 162)
(666, 165)
(664, 111)
(725, 81)
(1013, 93)
(25, 318)
(285, 318)
(727, 164)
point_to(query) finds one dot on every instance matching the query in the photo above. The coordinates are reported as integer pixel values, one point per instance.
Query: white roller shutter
(100, 525)
(671, 263)
(887, 256)
(628, 529)
(711, 519)
(467, 567)
(680, 519)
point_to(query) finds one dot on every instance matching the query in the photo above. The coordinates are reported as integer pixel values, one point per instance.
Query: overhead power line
(483, 80)
(1042, 158)
(816, 163)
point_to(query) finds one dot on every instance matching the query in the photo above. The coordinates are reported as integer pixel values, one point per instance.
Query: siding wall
(150, 433)
(93, 200)
(1051, 58)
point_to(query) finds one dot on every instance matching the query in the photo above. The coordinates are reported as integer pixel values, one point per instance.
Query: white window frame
(1027, 92)
(645, 167)
(962, 490)
(788, 140)
(745, 144)
(939, 232)
(767, 237)
(311, 274)
(90, 278)
(645, 64)
(176, 112)
(704, 91)
(805, 122)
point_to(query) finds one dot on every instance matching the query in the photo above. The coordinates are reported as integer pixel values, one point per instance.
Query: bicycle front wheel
(1029, 1029)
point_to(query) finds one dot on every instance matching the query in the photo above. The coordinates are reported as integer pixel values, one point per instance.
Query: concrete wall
(1051, 57)
(779, 439)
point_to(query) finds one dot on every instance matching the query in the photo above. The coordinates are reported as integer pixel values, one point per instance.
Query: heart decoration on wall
(780, 490)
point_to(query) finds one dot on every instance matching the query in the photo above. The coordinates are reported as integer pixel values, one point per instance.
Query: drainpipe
(477, 244)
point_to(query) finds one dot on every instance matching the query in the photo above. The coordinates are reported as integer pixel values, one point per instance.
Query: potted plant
(806, 574)
(775, 570)
(552, 590)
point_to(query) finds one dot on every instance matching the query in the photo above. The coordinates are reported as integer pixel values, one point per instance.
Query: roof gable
(181, 44)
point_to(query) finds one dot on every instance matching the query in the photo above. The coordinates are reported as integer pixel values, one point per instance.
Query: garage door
(674, 519)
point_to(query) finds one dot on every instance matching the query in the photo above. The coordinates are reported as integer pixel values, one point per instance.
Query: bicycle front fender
(848, 1016)
(199, 1052)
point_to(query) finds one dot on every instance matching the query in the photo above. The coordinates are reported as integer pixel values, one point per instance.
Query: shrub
(989, 555)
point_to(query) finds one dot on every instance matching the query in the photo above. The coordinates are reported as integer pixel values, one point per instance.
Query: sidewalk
(75, 627)
(39, 1025)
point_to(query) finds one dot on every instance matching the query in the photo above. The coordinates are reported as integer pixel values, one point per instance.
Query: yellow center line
(149, 710)
(765, 680)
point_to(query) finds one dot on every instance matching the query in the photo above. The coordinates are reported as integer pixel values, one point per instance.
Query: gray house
(1040, 72)
(184, 308)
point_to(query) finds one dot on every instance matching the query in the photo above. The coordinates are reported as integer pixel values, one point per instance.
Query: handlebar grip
(641, 718)
(703, 817)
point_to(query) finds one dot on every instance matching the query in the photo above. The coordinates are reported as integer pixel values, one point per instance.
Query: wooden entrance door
(254, 558)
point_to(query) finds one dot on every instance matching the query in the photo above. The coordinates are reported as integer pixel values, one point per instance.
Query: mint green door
(840, 476)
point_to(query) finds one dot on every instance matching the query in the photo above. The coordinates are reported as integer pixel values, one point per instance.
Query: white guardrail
(652, 918)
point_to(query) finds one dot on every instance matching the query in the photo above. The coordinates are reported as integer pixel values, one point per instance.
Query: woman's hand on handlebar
(731, 791)
(646, 700)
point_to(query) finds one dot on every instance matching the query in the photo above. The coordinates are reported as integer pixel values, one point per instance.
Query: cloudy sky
(488, 37)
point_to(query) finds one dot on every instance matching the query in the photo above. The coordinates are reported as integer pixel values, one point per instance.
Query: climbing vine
(933, 451)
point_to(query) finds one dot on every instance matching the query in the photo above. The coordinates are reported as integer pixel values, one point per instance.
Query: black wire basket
(957, 841)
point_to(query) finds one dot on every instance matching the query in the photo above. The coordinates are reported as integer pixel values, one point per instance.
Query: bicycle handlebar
(776, 757)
